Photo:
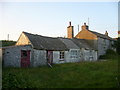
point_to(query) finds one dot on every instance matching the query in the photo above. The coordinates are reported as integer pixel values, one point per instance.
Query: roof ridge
(47, 43)
(40, 35)
(101, 34)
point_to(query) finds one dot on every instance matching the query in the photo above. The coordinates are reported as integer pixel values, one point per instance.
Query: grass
(99, 74)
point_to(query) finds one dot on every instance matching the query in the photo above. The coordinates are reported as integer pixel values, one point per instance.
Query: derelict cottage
(32, 50)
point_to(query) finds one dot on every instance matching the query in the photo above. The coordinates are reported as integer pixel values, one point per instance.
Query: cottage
(101, 42)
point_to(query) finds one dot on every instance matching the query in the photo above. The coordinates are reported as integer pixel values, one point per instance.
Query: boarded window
(62, 55)
(74, 54)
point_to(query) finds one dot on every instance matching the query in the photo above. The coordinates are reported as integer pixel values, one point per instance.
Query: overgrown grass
(100, 74)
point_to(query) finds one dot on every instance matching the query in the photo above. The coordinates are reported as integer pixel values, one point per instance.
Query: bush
(102, 57)
(110, 54)
(110, 51)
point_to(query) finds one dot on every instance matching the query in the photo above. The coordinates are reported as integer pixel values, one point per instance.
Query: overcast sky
(52, 18)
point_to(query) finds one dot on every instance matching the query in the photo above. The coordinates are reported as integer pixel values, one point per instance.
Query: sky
(52, 18)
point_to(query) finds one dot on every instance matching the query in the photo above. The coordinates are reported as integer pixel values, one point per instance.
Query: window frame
(73, 54)
(61, 55)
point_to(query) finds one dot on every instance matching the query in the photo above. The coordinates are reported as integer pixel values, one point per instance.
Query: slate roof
(56, 44)
(81, 43)
(69, 43)
(45, 43)
(101, 35)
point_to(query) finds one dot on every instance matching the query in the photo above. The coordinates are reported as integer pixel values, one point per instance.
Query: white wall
(56, 59)
(89, 55)
(68, 56)
(101, 47)
(0, 55)
(39, 58)
(12, 56)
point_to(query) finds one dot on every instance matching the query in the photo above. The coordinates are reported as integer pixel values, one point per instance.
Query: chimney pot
(85, 27)
(70, 23)
(106, 33)
(84, 23)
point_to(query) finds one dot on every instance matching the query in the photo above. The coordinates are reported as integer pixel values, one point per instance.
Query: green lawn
(100, 74)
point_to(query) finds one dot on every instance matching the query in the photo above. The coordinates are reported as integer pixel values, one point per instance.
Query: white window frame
(73, 54)
(62, 55)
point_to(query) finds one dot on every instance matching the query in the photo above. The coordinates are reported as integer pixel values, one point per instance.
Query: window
(91, 56)
(73, 54)
(24, 53)
(62, 55)
(104, 43)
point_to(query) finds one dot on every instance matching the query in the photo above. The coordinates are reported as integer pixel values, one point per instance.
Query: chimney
(118, 34)
(70, 31)
(106, 33)
(85, 27)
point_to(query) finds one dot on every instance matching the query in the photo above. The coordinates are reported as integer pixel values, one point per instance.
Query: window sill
(61, 60)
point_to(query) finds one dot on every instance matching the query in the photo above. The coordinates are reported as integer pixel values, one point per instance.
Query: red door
(50, 57)
(25, 58)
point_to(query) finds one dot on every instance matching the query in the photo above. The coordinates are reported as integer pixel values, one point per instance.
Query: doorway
(25, 58)
(50, 57)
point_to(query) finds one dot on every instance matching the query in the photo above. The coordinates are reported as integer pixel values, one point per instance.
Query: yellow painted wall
(23, 40)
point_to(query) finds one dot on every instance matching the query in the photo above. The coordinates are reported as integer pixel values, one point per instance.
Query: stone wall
(103, 45)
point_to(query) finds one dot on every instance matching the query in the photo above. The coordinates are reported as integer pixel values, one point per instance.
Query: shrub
(110, 54)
